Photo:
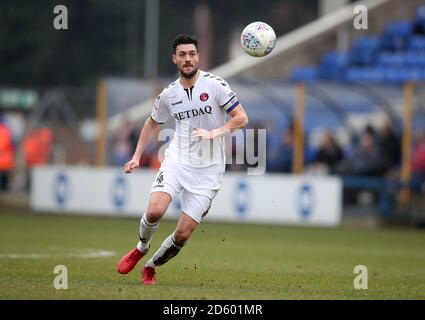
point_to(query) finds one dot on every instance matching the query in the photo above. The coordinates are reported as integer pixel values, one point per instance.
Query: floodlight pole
(151, 38)
(101, 123)
(406, 145)
(298, 134)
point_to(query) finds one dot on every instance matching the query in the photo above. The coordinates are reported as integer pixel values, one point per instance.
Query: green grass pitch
(221, 261)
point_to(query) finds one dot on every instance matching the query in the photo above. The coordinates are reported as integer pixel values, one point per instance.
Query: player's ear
(174, 58)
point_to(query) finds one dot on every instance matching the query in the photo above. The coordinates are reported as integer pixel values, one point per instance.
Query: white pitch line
(88, 254)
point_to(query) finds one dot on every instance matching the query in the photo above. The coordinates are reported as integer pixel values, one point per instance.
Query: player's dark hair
(184, 39)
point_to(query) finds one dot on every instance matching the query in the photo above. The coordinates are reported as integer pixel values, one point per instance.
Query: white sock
(146, 232)
(167, 251)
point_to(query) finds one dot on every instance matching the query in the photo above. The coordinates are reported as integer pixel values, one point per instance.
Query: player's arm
(146, 135)
(238, 119)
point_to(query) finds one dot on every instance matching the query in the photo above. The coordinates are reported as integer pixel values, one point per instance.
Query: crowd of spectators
(36, 148)
(371, 152)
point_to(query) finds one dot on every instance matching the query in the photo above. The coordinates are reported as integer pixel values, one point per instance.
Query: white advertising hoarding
(268, 198)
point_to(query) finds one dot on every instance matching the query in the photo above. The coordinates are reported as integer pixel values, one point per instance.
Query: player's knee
(155, 212)
(181, 236)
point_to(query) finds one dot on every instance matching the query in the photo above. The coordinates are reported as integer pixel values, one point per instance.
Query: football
(258, 39)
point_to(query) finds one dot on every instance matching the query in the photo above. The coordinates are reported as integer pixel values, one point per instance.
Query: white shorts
(197, 189)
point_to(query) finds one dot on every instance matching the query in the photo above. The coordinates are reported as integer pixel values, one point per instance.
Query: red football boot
(148, 276)
(129, 261)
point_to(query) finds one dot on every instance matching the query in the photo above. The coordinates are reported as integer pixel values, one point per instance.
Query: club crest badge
(204, 96)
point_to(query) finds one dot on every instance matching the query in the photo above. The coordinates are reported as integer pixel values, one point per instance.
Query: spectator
(366, 159)
(418, 162)
(149, 158)
(370, 130)
(357, 136)
(7, 156)
(389, 145)
(328, 155)
(281, 161)
(134, 137)
(123, 143)
(37, 147)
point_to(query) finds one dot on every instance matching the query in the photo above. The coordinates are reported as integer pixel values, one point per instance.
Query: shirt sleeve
(226, 98)
(160, 112)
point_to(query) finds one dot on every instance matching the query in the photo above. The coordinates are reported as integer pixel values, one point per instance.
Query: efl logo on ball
(258, 39)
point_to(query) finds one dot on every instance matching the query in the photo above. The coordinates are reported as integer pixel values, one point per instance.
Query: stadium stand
(394, 56)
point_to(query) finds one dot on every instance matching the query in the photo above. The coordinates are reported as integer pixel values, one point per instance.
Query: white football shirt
(202, 106)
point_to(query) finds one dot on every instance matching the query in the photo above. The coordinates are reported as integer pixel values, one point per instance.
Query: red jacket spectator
(7, 156)
(37, 146)
(418, 158)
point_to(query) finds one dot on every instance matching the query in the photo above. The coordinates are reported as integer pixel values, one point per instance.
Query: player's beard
(189, 75)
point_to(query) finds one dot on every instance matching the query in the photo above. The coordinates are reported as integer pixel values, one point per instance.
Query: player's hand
(202, 133)
(205, 134)
(130, 166)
